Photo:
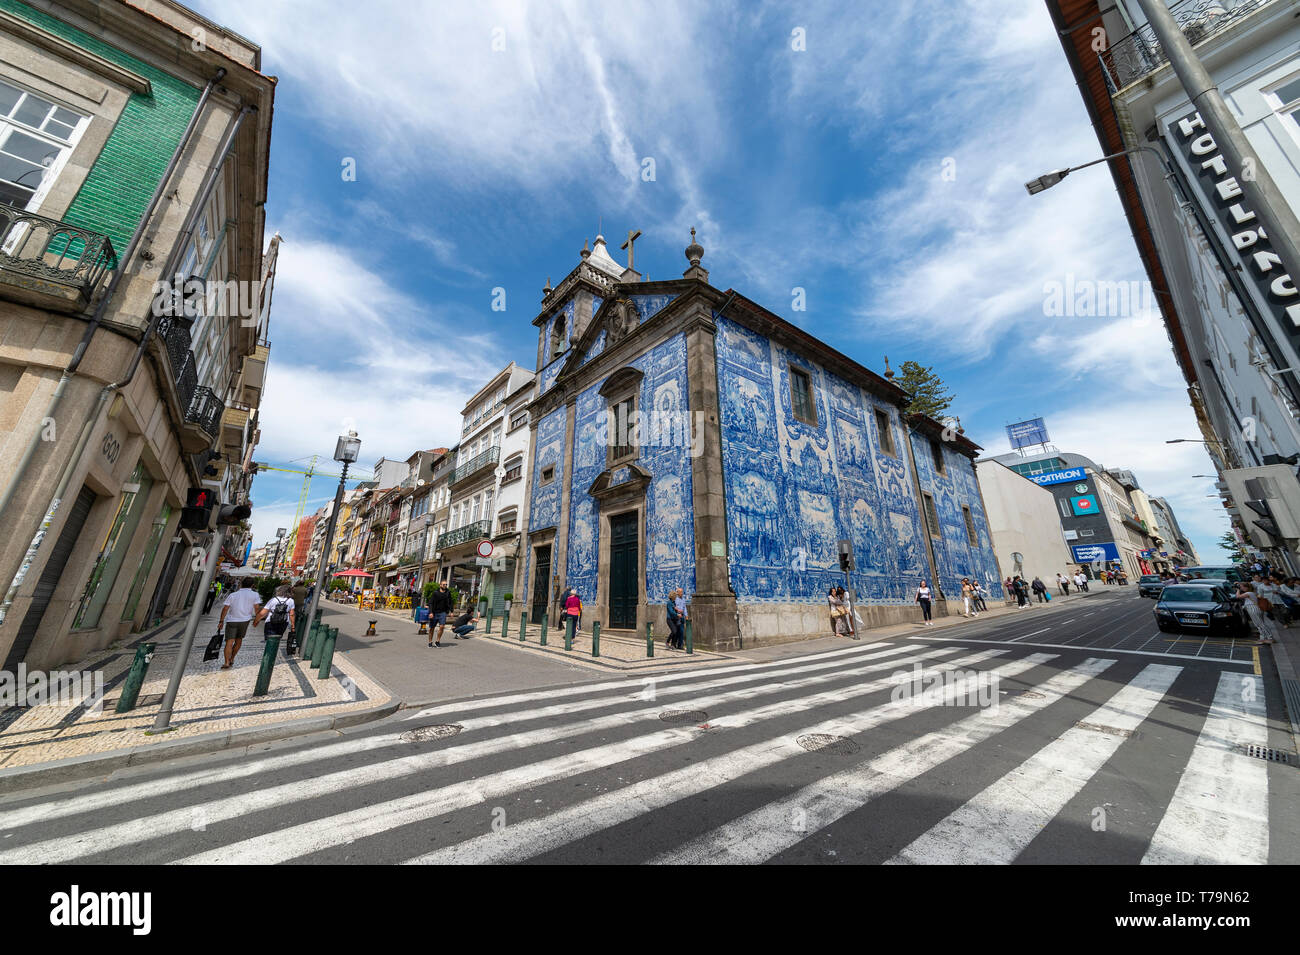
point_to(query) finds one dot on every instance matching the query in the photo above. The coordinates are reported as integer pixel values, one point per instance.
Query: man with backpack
(279, 612)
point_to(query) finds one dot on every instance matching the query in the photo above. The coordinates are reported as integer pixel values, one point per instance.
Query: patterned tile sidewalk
(210, 701)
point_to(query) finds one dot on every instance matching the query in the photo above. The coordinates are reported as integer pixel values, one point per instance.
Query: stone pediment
(623, 479)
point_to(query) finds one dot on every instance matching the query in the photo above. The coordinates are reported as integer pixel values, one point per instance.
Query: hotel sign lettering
(1228, 204)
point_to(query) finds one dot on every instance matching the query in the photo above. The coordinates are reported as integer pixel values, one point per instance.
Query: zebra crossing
(832, 756)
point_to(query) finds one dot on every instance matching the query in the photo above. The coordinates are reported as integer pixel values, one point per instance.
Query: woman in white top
(1250, 602)
(924, 598)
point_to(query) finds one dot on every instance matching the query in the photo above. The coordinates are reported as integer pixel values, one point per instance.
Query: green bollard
(487, 619)
(505, 624)
(649, 639)
(268, 664)
(135, 677)
(523, 622)
(316, 651)
(690, 642)
(595, 638)
(310, 643)
(327, 652)
(544, 622)
(569, 626)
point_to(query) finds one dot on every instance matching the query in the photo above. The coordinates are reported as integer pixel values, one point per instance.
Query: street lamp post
(279, 539)
(347, 450)
(419, 577)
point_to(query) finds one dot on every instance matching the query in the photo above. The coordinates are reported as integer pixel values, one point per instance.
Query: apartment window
(473, 514)
(886, 433)
(514, 470)
(936, 450)
(487, 505)
(1286, 102)
(519, 420)
(36, 138)
(508, 523)
(801, 396)
(1065, 507)
(971, 536)
(931, 515)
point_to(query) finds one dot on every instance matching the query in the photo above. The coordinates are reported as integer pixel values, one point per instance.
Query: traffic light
(232, 514)
(197, 512)
(846, 556)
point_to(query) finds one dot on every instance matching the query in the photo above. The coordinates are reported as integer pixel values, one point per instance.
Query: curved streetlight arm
(1049, 179)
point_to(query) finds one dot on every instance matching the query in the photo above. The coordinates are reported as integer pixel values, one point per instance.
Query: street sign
(485, 548)
(483, 561)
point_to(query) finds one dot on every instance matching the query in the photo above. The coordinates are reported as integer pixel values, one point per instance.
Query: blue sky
(880, 169)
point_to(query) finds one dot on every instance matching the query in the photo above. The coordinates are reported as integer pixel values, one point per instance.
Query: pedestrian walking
(1040, 589)
(213, 589)
(1081, 582)
(967, 599)
(573, 610)
(674, 621)
(278, 614)
(980, 593)
(1257, 608)
(1064, 584)
(238, 611)
(924, 598)
(683, 614)
(848, 611)
(439, 607)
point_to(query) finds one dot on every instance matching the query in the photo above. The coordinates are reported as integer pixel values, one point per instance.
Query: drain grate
(151, 699)
(684, 716)
(422, 734)
(1263, 752)
(1108, 730)
(826, 743)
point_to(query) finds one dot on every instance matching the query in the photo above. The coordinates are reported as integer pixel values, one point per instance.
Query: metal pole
(329, 541)
(1266, 200)
(164, 718)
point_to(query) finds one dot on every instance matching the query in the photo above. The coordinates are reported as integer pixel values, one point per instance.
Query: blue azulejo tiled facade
(758, 449)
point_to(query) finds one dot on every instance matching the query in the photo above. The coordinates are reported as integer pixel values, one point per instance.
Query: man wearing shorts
(439, 607)
(236, 614)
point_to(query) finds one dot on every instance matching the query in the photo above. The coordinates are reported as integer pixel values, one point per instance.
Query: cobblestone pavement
(211, 700)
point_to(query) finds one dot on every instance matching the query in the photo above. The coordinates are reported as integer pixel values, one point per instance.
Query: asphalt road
(997, 741)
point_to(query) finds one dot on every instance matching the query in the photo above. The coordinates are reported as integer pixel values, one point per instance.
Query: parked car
(1150, 585)
(1229, 572)
(1206, 608)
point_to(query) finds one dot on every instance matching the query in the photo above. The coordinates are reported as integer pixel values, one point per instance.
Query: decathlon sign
(1059, 477)
(1273, 286)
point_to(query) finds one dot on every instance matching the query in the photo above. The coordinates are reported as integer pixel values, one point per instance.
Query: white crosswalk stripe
(578, 762)
(996, 825)
(1219, 813)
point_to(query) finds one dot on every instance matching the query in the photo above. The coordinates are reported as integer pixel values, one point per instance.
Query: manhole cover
(683, 716)
(1272, 755)
(1108, 730)
(422, 734)
(1030, 695)
(825, 743)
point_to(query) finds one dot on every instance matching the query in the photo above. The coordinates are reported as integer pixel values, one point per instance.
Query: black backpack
(279, 616)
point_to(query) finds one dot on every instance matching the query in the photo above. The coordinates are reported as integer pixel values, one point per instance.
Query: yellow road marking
(1254, 652)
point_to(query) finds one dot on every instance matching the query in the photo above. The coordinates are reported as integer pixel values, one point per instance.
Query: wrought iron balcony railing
(1140, 53)
(475, 464)
(475, 531)
(205, 410)
(51, 260)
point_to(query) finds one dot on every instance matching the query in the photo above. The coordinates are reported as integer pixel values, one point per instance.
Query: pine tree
(930, 396)
(1229, 543)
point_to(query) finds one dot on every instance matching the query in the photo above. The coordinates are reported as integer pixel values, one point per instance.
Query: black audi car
(1150, 585)
(1200, 608)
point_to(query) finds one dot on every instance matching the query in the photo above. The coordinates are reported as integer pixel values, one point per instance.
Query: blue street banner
(1059, 477)
(1084, 504)
(1023, 434)
(1091, 553)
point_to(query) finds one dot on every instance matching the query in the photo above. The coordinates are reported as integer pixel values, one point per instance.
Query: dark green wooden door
(541, 583)
(623, 589)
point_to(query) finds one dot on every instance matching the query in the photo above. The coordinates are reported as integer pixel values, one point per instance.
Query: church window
(971, 536)
(936, 449)
(558, 343)
(886, 433)
(801, 396)
(931, 515)
(548, 474)
(622, 430)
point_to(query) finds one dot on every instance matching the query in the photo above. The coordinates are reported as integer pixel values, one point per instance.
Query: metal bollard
(595, 638)
(570, 625)
(649, 639)
(544, 622)
(690, 642)
(505, 624)
(316, 651)
(135, 677)
(487, 619)
(268, 665)
(327, 654)
(523, 622)
(309, 645)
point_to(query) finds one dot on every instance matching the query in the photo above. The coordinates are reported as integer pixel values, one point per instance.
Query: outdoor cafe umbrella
(353, 573)
(245, 572)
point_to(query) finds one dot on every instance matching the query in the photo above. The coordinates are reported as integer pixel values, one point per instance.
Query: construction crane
(308, 474)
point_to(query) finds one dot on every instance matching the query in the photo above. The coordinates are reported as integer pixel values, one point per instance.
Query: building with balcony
(1232, 314)
(486, 488)
(132, 155)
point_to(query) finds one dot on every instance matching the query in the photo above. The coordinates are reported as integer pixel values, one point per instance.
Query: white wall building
(1023, 521)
